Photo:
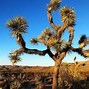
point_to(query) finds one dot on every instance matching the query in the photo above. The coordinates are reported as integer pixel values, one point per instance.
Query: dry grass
(37, 75)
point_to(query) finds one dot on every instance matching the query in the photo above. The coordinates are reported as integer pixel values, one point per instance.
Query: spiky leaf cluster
(82, 39)
(34, 41)
(58, 47)
(14, 58)
(67, 16)
(51, 42)
(17, 25)
(48, 37)
(54, 5)
(46, 34)
(61, 46)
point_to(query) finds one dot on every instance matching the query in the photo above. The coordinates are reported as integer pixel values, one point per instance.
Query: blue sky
(35, 13)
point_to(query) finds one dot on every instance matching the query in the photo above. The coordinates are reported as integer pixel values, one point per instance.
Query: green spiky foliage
(67, 15)
(46, 34)
(61, 46)
(14, 58)
(48, 37)
(58, 47)
(52, 42)
(17, 25)
(54, 5)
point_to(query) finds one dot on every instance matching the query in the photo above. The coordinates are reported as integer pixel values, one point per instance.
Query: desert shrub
(16, 84)
(67, 79)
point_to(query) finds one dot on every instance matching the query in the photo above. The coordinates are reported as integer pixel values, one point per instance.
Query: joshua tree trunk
(55, 75)
(57, 69)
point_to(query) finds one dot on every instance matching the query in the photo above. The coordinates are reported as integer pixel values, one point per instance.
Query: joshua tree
(51, 39)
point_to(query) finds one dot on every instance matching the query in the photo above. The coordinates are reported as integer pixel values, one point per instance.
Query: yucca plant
(67, 15)
(46, 34)
(17, 25)
(52, 42)
(49, 38)
(54, 5)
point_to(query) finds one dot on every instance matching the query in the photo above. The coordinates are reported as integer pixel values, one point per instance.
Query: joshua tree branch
(34, 51)
(23, 49)
(61, 30)
(62, 55)
(51, 54)
(20, 41)
(71, 36)
(51, 20)
(41, 53)
(84, 53)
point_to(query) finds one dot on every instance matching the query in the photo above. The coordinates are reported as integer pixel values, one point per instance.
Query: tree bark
(61, 30)
(55, 75)
(20, 41)
(71, 36)
(57, 69)
(84, 53)
(51, 20)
